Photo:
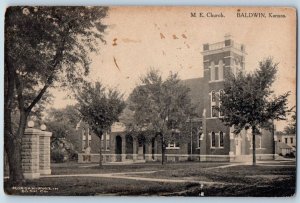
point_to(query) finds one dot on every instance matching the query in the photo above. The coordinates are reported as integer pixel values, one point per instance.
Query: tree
(100, 108)
(62, 123)
(248, 102)
(292, 126)
(160, 107)
(44, 47)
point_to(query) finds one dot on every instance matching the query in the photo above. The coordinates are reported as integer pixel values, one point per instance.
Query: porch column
(155, 149)
(87, 132)
(148, 150)
(134, 151)
(244, 139)
(123, 148)
(113, 148)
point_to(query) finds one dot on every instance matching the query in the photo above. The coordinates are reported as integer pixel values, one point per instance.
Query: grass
(99, 186)
(74, 168)
(232, 181)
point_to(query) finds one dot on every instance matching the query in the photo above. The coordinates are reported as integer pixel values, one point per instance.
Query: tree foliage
(63, 122)
(292, 126)
(99, 107)
(44, 47)
(160, 106)
(248, 101)
(64, 140)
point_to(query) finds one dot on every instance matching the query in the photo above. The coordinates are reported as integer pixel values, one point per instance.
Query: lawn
(242, 180)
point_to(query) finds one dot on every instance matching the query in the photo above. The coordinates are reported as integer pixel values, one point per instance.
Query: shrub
(290, 155)
(73, 155)
(57, 156)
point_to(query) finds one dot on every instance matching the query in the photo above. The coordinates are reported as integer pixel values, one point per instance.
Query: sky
(169, 39)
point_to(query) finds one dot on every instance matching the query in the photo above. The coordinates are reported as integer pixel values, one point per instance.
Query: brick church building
(210, 139)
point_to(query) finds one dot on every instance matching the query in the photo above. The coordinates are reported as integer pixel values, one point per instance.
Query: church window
(220, 102)
(213, 139)
(213, 96)
(216, 73)
(221, 139)
(214, 112)
(258, 142)
(214, 109)
(173, 145)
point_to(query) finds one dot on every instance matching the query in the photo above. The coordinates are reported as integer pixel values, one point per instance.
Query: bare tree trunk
(100, 152)
(12, 138)
(273, 139)
(13, 151)
(13, 147)
(253, 147)
(162, 149)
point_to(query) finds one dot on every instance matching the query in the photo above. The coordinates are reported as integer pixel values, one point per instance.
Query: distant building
(286, 144)
(210, 140)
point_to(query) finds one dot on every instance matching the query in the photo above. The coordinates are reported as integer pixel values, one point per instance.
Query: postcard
(150, 101)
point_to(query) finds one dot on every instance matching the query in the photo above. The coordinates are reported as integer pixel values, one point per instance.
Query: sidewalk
(125, 176)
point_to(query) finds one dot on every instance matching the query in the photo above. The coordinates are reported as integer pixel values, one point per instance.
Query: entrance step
(140, 161)
(241, 158)
(127, 161)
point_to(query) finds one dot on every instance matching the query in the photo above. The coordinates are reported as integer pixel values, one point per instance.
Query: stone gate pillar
(30, 153)
(44, 146)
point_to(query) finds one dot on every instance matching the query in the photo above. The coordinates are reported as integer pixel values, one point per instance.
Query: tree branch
(19, 88)
(56, 60)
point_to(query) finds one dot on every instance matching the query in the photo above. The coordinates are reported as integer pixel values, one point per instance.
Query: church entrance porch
(128, 148)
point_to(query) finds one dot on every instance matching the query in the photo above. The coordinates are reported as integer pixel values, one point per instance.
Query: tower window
(216, 73)
(214, 101)
(214, 111)
(213, 96)
(220, 102)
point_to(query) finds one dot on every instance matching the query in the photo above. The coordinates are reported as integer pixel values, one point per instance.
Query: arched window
(221, 93)
(213, 96)
(213, 139)
(221, 139)
(214, 109)
(217, 72)
(220, 103)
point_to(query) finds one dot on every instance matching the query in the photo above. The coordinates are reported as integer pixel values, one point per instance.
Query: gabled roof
(283, 145)
(197, 93)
